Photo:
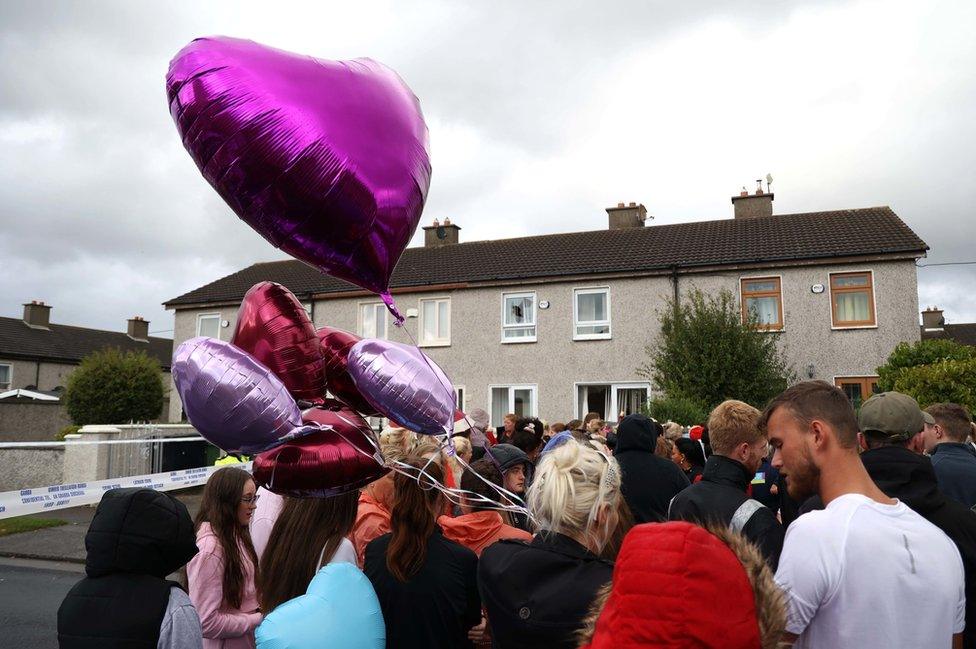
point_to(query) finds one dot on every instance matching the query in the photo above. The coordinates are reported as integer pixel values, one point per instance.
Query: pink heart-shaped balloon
(327, 160)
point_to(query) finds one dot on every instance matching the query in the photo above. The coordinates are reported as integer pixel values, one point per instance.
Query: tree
(114, 388)
(932, 371)
(706, 354)
(923, 352)
(680, 409)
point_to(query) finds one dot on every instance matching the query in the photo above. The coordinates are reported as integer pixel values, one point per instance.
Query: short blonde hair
(462, 445)
(732, 423)
(571, 483)
(397, 443)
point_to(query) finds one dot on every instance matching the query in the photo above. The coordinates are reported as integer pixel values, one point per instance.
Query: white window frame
(590, 290)
(512, 387)
(10, 376)
(874, 298)
(204, 316)
(460, 396)
(359, 320)
(782, 304)
(535, 322)
(614, 386)
(436, 342)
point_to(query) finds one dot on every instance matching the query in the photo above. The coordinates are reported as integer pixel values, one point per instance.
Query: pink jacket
(223, 627)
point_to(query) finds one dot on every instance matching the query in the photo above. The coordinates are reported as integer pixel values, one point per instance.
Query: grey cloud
(110, 217)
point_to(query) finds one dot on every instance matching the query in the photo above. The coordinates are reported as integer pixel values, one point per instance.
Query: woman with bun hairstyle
(689, 455)
(222, 575)
(538, 594)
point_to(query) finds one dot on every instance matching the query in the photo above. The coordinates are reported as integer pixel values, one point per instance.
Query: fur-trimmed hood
(654, 599)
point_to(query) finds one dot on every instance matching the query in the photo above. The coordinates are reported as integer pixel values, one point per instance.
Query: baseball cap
(891, 413)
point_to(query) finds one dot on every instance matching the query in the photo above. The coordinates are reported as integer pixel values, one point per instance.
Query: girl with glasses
(222, 575)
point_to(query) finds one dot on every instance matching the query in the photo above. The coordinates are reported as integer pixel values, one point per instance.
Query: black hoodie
(137, 538)
(910, 478)
(648, 482)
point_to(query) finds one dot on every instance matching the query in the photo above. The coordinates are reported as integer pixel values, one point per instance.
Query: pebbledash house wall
(477, 359)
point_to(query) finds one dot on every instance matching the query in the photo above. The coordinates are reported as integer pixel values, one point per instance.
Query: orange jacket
(478, 530)
(373, 515)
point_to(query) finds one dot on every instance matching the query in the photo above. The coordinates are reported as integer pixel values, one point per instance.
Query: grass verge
(27, 524)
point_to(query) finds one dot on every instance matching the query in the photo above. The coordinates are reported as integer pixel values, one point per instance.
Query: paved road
(30, 593)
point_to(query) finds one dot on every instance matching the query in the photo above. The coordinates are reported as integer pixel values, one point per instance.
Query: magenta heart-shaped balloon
(327, 160)
(273, 327)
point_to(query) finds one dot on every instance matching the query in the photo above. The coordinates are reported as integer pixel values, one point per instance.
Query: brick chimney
(627, 216)
(440, 234)
(748, 206)
(138, 329)
(37, 315)
(932, 319)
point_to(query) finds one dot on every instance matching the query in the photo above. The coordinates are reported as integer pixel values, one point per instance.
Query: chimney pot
(138, 329)
(438, 235)
(932, 319)
(624, 216)
(37, 315)
(746, 206)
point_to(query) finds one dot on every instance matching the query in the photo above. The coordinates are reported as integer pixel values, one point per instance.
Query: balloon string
(454, 496)
(452, 397)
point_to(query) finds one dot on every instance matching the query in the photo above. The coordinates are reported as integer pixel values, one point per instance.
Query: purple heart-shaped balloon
(327, 160)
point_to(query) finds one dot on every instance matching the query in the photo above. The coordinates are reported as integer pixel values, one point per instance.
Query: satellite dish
(769, 179)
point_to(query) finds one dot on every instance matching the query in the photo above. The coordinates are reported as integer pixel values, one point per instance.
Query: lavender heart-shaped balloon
(403, 384)
(327, 160)
(235, 402)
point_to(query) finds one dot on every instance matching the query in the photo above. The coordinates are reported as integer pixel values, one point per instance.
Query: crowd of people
(807, 524)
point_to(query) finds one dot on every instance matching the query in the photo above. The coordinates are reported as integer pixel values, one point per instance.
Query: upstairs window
(591, 313)
(518, 317)
(435, 322)
(762, 300)
(852, 299)
(208, 325)
(6, 371)
(373, 320)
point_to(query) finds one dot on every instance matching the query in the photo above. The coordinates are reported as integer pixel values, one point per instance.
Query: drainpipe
(674, 285)
(37, 376)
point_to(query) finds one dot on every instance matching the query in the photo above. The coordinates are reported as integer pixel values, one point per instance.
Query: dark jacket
(537, 594)
(955, 469)
(762, 485)
(648, 482)
(438, 605)
(909, 477)
(717, 497)
(137, 538)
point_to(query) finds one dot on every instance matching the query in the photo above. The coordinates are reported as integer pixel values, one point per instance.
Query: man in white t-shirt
(867, 571)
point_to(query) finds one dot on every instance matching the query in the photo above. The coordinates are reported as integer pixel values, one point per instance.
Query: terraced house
(556, 325)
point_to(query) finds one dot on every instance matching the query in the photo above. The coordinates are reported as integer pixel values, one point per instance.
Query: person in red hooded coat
(680, 585)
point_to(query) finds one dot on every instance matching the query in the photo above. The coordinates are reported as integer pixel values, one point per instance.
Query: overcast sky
(541, 115)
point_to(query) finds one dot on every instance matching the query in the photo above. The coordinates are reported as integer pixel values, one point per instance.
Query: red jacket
(478, 530)
(677, 585)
